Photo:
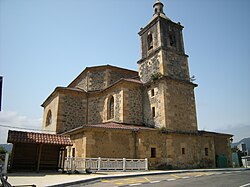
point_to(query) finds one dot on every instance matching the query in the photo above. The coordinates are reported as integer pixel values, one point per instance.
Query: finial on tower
(158, 7)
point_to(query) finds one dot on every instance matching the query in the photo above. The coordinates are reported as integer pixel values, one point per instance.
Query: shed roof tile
(38, 138)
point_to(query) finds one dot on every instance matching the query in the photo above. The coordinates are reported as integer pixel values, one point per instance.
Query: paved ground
(190, 179)
(118, 178)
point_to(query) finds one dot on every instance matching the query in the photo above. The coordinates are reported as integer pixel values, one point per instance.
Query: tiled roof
(38, 138)
(112, 125)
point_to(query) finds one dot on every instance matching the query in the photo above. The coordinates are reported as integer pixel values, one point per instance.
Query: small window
(111, 109)
(153, 112)
(206, 151)
(153, 152)
(152, 92)
(150, 41)
(183, 151)
(49, 118)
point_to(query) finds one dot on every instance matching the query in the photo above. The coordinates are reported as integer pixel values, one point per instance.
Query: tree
(2, 150)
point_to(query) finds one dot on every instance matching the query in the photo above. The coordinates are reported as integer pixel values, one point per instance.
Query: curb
(99, 178)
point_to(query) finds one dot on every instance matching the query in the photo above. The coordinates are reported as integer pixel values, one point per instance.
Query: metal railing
(72, 164)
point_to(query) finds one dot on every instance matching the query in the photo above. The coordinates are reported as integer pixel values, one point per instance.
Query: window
(111, 108)
(206, 151)
(153, 112)
(153, 152)
(183, 151)
(49, 118)
(152, 92)
(150, 41)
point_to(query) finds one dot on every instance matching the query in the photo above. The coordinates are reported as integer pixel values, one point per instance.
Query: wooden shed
(37, 151)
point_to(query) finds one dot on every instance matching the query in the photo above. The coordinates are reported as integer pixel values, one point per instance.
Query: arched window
(150, 41)
(49, 118)
(111, 108)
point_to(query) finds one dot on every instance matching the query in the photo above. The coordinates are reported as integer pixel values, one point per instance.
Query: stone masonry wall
(95, 109)
(173, 151)
(83, 83)
(180, 106)
(133, 105)
(150, 68)
(176, 66)
(53, 107)
(97, 80)
(110, 144)
(115, 75)
(72, 111)
(156, 101)
(97, 106)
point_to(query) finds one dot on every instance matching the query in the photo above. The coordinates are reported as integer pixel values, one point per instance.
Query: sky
(47, 43)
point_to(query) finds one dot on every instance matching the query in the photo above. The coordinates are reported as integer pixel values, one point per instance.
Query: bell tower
(168, 95)
(162, 48)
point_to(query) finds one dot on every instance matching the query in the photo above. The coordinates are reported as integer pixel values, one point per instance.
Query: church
(112, 112)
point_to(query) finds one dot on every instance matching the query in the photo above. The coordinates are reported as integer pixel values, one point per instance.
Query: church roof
(112, 125)
(92, 68)
(37, 138)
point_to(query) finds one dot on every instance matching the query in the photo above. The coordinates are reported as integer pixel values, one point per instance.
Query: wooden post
(63, 158)
(12, 155)
(39, 157)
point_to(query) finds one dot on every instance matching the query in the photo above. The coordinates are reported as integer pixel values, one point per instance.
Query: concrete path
(58, 179)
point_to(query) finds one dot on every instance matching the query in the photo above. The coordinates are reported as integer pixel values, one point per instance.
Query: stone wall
(155, 31)
(172, 150)
(223, 147)
(151, 68)
(115, 75)
(110, 144)
(176, 66)
(169, 28)
(95, 109)
(179, 106)
(132, 107)
(72, 111)
(83, 82)
(53, 107)
(99, 78)
(156, 101)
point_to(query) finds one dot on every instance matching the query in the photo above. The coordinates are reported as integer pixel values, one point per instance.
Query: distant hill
(7, 147)
(244, 140)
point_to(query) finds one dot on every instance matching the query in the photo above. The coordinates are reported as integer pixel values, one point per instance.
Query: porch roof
(37, 138)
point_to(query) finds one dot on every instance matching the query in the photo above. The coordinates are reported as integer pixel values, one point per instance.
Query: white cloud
(10, 120)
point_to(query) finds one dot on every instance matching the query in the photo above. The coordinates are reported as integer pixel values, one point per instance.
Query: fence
(246, 161)
(104, 164)
(4, 159)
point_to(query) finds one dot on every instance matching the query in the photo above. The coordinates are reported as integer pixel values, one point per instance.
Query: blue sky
(47, 43)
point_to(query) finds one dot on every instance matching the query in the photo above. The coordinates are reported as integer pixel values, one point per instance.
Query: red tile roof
(113, 125)
(38, 138)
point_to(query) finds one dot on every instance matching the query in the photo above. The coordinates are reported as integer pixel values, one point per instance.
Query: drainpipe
(134, 134)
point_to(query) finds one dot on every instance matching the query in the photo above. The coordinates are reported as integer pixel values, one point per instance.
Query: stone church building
(113, 112)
